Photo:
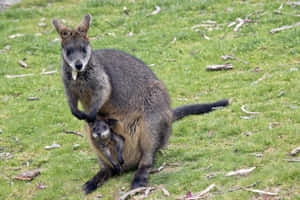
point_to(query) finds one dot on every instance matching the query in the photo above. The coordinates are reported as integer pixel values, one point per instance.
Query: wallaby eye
(83, 49)
(69, 51)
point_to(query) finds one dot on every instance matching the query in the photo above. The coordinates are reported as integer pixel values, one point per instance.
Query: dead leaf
(248, 112)
(247, 117)
(15, 35)
(42, 24)
(156, 11)
(28, 175)
(241, 172)
(130, 34)
(258, 154)
(6, 48)
(41, 186)
(295, 151)
(52, 146)
(274, 125)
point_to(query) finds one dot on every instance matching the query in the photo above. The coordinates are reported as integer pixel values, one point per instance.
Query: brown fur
(116, 85)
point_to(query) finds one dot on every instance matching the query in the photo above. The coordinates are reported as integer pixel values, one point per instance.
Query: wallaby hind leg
(98, 180)
(156, 129)
(141, 176)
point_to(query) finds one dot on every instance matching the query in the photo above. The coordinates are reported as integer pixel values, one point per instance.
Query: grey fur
(117, 85)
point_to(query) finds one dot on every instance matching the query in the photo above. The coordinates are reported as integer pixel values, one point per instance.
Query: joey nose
(78, 65)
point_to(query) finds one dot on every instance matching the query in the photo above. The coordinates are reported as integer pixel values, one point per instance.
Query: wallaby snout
(78, 65)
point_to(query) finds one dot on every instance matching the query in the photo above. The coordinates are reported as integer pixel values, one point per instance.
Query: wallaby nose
(78, 65)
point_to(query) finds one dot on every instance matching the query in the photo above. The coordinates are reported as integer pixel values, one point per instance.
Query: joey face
(100, 130)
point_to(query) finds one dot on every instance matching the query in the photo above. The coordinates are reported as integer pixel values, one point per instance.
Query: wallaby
(103, 136)
(113, 84)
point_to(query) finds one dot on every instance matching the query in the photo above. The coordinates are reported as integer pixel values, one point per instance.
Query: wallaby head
(76, 49)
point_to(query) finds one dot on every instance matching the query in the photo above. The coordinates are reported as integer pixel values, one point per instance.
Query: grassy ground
(206, 146)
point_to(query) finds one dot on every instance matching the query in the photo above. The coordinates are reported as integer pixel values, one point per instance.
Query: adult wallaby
(113, 84)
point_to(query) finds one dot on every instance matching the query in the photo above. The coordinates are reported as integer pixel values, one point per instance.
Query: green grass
(214, 140)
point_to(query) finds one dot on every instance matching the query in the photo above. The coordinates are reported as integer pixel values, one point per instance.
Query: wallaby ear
(63, 30)
(111, 122)
(84, 26)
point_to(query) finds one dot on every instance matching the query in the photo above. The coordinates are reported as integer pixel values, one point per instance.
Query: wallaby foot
(97, 180)
(140, 178)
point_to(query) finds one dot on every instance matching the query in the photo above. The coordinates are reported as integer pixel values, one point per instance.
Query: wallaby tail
(196, 109)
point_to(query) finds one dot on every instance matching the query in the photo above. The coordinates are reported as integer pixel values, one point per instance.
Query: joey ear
(63, 30)
(111, 122)
(84, 26)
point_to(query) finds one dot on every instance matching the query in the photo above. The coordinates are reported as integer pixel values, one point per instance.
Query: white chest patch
(74, 75)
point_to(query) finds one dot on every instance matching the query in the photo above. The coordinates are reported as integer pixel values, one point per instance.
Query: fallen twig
(165, 191)
(199, 195)
(295, 151)
(32, 98)
(135, 191)
(205, 36)
(25, 75)
(52, 146)
(248, 112)
(295, 3)
(226, 57)
(18, 76)
(239, 25)
(49, 72)
(72, 132)
(6, 48)
(293, 160)
(219, 67)
(241, 187)
(202, 193)
(241, 172)
(261, 79)
(275, 30)
(158, 169)
(261, 192)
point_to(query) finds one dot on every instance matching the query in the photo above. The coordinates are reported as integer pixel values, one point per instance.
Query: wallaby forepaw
(80, 115)
(90, 118)
(89, 187)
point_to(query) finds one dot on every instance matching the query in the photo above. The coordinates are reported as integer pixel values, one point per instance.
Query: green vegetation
(212, 144)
